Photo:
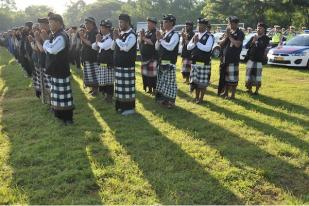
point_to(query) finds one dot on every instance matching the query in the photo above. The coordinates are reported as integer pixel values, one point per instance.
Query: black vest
(106, 56)
(122, 58)
(185, 52)
(164, 54)
(57, 65)
(88, 53)
(149, 51)
(198, 55)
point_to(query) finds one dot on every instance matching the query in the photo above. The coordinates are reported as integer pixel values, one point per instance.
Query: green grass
(254, 150)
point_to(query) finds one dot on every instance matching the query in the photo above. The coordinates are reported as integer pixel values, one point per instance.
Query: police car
(294, 53)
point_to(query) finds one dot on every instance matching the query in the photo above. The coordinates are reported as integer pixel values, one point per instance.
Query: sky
(58, 5)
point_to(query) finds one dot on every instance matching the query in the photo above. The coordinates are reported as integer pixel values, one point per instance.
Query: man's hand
(44, 35)
(116, 34)
(158, 35)
(98, 38)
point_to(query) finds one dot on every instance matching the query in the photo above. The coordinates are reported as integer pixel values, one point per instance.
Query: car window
(301, 40)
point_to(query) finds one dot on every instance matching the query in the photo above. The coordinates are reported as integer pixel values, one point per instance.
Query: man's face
(104, 30)
(167, 25)
(89, 25)
(233, 25)
(54, 25)
(150, 25)
(260, 30)
(201, 28)
(188, 28)
(44, 26)
(123, 25)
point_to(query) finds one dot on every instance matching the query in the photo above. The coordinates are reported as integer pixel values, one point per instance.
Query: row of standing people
(109, 55)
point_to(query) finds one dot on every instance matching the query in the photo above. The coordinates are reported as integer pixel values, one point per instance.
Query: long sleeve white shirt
(204, 47)
(128, 43)
(105, 45)
(57, 45)
(170, 46)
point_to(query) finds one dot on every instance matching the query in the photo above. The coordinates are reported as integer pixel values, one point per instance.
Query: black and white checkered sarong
(166, 82)
(200, 76)
(61, 94)
(125, 84)
(254, 73)
(91, 73)
(36, 78)
(232, 74)
(106, 76)
(46, 80)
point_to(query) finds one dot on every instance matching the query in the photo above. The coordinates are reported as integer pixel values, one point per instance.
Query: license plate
(279, 58)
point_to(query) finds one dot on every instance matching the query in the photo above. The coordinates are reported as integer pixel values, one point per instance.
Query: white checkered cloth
(232, 74)
(254, 73)
(200, 75)
(91, 73)
(46, 80)
(106, 76)
(166, 82)
(125, 84)
(61, 94)
(36, 77)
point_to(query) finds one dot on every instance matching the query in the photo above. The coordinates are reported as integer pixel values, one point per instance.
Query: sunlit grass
(253, 150)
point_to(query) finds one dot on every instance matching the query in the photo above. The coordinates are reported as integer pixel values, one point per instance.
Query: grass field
(253, 150)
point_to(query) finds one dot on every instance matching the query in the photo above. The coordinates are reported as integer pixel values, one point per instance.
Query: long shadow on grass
(175, 176)
(50, 161)
(237, 150)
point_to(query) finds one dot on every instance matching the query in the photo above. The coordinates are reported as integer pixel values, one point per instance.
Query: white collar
(125, 32)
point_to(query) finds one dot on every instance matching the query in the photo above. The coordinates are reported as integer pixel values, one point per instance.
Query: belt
(200, 63)
(165, 62)
(103, 65)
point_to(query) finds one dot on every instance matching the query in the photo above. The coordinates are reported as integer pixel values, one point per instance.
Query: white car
(294, 53)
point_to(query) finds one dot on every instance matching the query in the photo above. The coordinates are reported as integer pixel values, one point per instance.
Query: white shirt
(128, 43)
(106, 45)
(204, 47)
(57, 45)
(170, 46)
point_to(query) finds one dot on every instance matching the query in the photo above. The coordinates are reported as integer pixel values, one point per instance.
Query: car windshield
(301, 40)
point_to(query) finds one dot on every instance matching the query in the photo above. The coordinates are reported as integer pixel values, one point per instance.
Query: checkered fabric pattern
(36, 78)
(166, 82)
(91, 73)
(200, 75)
(125, 83)
(150, 68)
(106, 76)
(46, 80)
(61, 93)
(254, 73)
(186, 65)
(232, 74)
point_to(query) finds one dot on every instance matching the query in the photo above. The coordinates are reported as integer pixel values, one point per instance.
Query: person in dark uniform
(91, 66)
(167, 44)
(256, 54)
(125, 45)
(229, 64)
(103, 45)
(149, 56)
(25, 50)
(58, 67)
(187, 35)
(201, 48)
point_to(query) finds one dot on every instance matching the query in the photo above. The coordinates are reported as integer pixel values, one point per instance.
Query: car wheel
(216, 52)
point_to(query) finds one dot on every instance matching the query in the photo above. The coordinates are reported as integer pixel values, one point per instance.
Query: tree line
(281, 12)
